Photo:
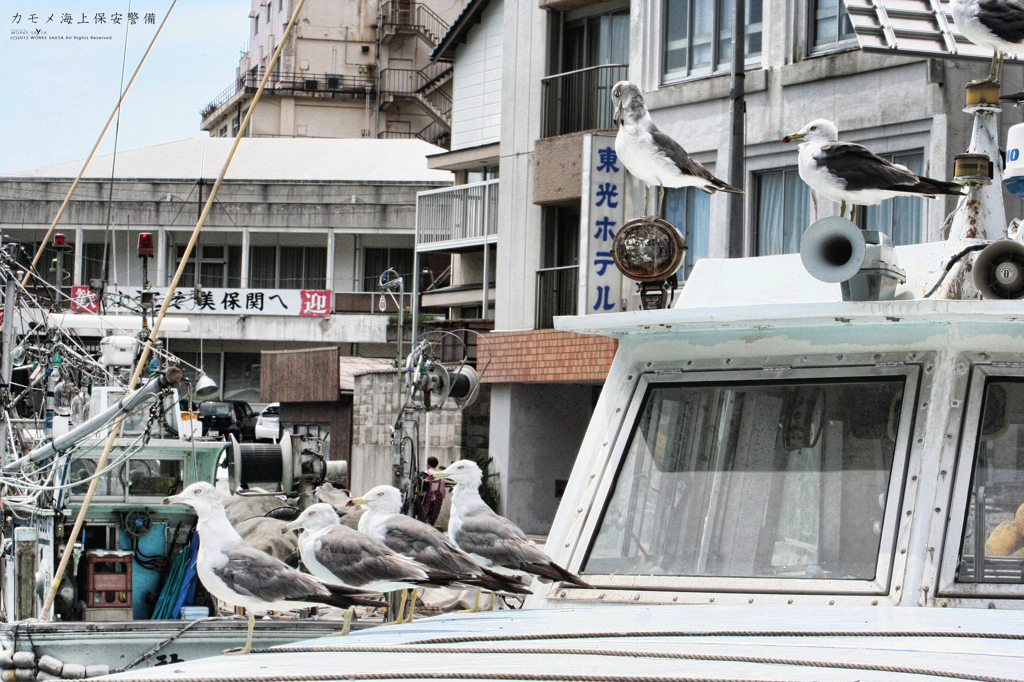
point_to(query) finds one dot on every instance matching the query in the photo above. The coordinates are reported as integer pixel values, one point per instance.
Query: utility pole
(7, 359)
(737, 142)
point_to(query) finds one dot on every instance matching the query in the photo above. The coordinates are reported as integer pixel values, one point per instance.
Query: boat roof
(624, 642)
(776, 291)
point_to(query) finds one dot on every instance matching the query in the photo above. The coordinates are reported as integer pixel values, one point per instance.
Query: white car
(268, 425)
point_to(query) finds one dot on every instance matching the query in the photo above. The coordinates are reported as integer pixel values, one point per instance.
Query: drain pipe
(737, 110)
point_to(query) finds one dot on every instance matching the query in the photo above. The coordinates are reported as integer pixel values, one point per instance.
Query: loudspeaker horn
(832, 249)
(999, 270)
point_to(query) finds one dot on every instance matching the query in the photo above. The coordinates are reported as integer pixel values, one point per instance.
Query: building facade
(560, 59)
(357, 69)
(289, 256)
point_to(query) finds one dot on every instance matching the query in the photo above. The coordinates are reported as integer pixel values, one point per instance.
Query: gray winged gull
(340, 555)
(996, 24)
(651, 155)
(850, 173)
(241, 575)
(494, 541)
(427, 545)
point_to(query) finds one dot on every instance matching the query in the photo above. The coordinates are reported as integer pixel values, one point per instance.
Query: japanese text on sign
(603, 215)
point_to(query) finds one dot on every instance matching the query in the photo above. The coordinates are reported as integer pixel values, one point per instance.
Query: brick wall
(545, 355)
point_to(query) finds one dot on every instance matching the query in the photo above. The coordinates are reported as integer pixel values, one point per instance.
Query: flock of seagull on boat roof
(389, 552)
(843, 172)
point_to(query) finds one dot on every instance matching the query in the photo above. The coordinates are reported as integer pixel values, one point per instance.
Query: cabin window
(689, 209)
(992, 544)
(782, 480)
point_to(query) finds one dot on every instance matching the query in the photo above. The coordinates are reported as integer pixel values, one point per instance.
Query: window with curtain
(689, 210)
(698, 36)
(830, 24)
(219, 266)
(377, 260)
(593, 41)
(92, 262)
(901, 218)
(287, 267)
(782, 211)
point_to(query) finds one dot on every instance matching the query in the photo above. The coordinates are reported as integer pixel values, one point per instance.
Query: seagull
(998, 24)
(492, 540)
(241, 575)
(339, 555)
(850, 173)
(651, 155)
(383, 521)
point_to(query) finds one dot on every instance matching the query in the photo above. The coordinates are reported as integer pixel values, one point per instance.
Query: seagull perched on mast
(651, 155)
(494, 541)
(241, 575)
(996, 24)
(850, 173)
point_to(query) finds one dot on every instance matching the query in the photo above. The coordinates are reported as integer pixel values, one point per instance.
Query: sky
(57, 93)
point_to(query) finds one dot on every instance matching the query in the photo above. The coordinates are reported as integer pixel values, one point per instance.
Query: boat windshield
(992, 549)
(754, 480)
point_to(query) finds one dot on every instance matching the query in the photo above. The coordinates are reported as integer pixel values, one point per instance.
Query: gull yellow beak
(173, 499)
(289, 527)
(438, 475)
(356, 501)
(793, 137)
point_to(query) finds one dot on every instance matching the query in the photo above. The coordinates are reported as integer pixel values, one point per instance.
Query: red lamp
(145, 244)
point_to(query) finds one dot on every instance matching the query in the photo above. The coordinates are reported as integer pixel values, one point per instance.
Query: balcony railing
(556, 294)
(413, 16)
(454, 214)
(580, 100)
(293, 81)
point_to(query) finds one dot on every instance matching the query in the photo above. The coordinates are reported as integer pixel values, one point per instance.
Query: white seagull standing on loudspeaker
(996, 24)
(651, 155)
(849, 173)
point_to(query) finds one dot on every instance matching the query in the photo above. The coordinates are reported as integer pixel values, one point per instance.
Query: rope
(513, 677)
(151, 339)
(74, 185)
(719, 658)
(160, 646)
(707, 633)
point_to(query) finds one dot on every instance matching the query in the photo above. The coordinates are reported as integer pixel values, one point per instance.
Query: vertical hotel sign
(602, 214)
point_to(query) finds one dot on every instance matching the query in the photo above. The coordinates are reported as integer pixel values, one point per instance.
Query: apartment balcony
(557, 291)
(579, 100)
(292, 83)
(457, 219)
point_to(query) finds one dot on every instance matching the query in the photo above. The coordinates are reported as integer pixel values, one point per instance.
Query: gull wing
(675, 152)
(1005, 18)
(863, 169)
(494, 537)
(256, 574)
(357, 559)
(427, 545)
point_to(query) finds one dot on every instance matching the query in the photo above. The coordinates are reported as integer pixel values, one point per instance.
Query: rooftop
(338, 160)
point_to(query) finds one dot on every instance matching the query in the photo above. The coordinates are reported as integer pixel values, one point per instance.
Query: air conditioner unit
(333, 82)
(310, 84)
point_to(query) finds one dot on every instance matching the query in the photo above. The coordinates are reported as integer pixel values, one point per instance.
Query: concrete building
(288, 258)
(355, 69)
(562, 197)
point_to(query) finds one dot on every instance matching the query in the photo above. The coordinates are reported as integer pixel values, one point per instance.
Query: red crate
(111, 585)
